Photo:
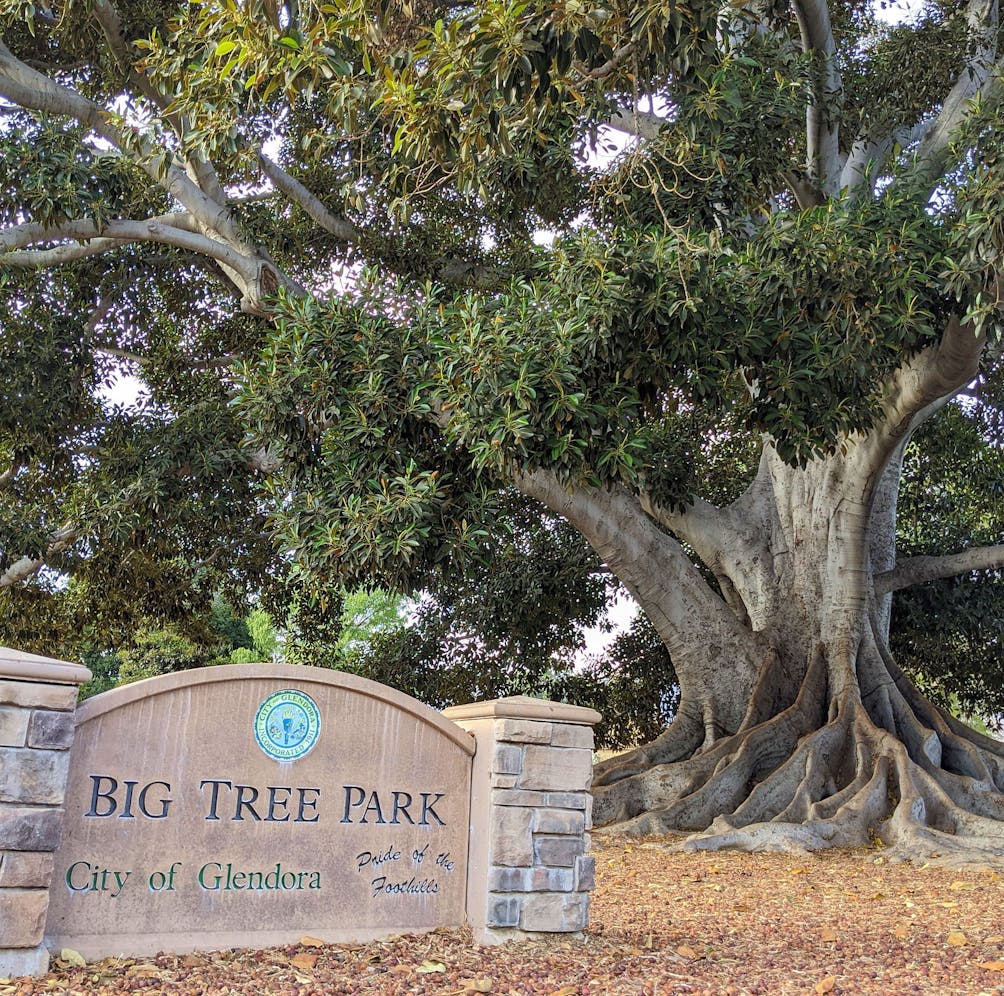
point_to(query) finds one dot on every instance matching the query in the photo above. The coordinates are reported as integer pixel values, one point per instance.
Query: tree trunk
(834, 746)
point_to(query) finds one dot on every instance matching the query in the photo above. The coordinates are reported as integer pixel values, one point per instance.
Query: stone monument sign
(250, 806)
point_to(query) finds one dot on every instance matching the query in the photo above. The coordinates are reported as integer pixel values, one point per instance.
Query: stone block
(523, 731)
(556, 768)
(557, 852)
(504, 781)
(13, 726)
(572, 735)
(503, 911)
(35, 695)
(501, 879)
(50, 730)
(504, 879)
(22, 917)
(555, 912)
(551, 879)
(517, 797)
(507, 759)
(570, 821)
(585, 873)
(34, 776)
(512, 837)
(25, 869)
(23, 961)
(23, 829)
(568, 800)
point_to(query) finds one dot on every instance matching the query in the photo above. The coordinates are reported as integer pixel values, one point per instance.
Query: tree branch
(868, 155)
(729, 546)
(138, 358)
(450, 271)
(26, 567)
(295, 191)
(821, 122)
(977, 72)
(108, 18)
(112, 234)
(613, 63)
(641, 124)
(919, 389)
(650, 562)
(917, 570)
(32, 90)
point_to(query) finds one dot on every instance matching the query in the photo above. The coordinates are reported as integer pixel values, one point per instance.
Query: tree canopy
(316, 232)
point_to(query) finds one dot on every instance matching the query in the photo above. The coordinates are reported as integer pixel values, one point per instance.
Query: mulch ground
(662, 923)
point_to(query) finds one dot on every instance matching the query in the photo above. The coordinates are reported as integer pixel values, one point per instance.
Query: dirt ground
(662, 923)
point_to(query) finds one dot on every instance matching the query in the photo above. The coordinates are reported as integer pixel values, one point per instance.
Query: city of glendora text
(223, 799)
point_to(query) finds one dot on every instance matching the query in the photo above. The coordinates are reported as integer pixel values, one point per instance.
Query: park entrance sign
(250, 805)
(232, 806)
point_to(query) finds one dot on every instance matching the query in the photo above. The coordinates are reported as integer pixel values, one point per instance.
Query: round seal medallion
(287, 724)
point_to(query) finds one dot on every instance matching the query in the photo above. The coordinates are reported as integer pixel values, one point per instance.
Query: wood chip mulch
(662, 923)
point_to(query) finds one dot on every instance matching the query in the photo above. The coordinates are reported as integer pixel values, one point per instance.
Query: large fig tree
(383, 233)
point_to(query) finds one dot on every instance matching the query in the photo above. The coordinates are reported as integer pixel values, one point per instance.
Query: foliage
(632, 685)
(159, 651)
(353, 349)
(949, 634)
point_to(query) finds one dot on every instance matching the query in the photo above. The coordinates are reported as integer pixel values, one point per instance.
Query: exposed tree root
(847, 763)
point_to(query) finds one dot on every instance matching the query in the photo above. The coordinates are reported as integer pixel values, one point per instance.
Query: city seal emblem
(287, 725)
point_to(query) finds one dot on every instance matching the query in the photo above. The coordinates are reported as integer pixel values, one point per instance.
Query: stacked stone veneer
(37, 699)
(531, 812)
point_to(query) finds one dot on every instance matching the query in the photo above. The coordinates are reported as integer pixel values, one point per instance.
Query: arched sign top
(287, 675)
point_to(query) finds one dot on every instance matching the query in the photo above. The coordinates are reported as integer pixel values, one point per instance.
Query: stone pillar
(528, 870)
(37, 699)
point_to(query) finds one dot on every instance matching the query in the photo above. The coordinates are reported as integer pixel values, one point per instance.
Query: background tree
(948, 633)
(723, 355)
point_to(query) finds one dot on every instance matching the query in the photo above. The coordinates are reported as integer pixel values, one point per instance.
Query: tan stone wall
(533, 875)
(37, 699)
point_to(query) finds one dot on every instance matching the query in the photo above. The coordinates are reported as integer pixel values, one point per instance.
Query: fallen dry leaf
(992, 966)
(901, 931)
(304, 961)
(143, 971)
(956, 939)
(565, 991)
(686, 952)
(828, 934)
(959, 886)
(429, 967)
(312, 942)
(477, 985)
(71, 957)
(825, 985)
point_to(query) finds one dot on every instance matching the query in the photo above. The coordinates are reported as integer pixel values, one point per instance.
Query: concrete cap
(16, 665)
(525, 707)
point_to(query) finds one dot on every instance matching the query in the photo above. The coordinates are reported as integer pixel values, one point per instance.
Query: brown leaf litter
(663, 923)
